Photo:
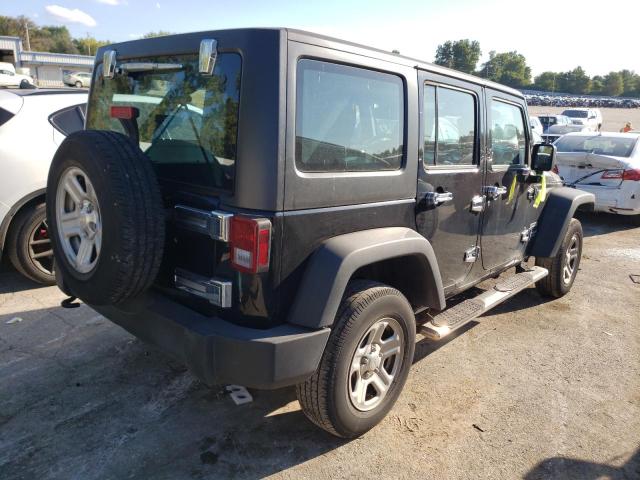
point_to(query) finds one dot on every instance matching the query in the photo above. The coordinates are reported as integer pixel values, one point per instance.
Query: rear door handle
(435, 198)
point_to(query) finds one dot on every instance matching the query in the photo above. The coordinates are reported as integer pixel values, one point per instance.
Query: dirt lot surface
(613, 118)
(534, 389)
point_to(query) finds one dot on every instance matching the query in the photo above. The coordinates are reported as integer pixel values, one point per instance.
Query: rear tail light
(633, 174)
(612, 174)
(250, 244)
(555, 170)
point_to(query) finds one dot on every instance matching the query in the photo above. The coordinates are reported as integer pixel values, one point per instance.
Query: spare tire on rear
(106, 217)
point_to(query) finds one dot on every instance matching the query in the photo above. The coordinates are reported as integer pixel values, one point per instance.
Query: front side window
(449, 126)
(348, 119)
(508, 139)
(187, 122)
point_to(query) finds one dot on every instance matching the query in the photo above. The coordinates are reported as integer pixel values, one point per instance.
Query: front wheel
(563, 268)
(78, 84)
(365, 363)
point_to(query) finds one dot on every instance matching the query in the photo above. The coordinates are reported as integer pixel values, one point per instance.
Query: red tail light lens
(250, 244)
(632, 175)
(555, 170)
(612, 174)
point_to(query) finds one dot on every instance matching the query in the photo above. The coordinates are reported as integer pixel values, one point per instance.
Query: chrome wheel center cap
(371, 361)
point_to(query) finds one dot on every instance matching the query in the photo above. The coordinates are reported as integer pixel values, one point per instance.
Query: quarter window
(348, 119)
(449, 126)
(508, 140)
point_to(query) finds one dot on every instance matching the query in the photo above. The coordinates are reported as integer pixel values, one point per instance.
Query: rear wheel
(29, 245)
(365, 363)
(78, 84)
(563, 268)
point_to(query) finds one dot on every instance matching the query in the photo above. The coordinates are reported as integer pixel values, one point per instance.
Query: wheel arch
(559, 208)
(32, 198)
(382, 254)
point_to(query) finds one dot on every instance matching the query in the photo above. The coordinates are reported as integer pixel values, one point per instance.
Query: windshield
(187, 122)
(614, 146)
(575, 113)
(547, 121)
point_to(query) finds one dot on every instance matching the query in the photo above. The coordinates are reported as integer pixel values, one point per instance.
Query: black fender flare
(334, 262)
(559, 208)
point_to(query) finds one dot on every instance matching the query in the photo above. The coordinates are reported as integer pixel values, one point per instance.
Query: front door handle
(493, 193)
(434, 199)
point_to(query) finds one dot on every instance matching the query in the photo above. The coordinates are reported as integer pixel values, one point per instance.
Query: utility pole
(26, 29)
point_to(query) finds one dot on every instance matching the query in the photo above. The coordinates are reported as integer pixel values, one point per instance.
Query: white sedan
(32, 125)
(605, 164)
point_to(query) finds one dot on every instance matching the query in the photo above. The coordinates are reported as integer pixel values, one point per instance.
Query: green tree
(576, 81)
(509, 68)
(462, 55)
(630, 82)
(597, 85)
(159, 33)
(613, 84)
(89, 45)
(546, 81)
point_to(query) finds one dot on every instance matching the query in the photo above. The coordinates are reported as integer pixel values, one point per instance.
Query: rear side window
(348, 119)
(5, 116)
(68, 120)
(449, 126)
(508, 139)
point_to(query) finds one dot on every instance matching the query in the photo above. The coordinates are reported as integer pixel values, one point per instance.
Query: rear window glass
(348, 119)
(187, 122)
(575, 113)
(599, 145)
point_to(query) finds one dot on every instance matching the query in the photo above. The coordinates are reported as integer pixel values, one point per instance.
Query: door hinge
(471, 255)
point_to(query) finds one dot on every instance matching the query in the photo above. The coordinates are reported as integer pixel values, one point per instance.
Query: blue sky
(553, 35)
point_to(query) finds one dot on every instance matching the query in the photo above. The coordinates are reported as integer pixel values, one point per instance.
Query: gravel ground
(534, 389)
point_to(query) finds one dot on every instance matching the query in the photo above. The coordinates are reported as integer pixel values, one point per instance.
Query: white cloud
(66, 15)
(157, 5)
(111, 2)
(135, 35)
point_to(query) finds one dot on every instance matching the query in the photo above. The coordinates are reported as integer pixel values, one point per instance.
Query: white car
(77, 79)
(536, 125)
(588, 117)
(9, 77)
(32, 125)
(605, 164)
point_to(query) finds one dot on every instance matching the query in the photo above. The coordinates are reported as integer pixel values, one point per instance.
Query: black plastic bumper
(219, 352)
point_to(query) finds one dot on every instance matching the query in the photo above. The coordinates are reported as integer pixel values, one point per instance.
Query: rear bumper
(219, 352)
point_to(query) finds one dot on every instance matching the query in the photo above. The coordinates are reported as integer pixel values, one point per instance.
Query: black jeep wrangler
(277, 208)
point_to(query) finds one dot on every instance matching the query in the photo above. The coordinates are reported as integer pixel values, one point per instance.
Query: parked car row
(546, 99)
(33, 124)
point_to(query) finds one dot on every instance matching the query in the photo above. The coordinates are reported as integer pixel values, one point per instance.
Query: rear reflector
(250, 244)
(632, 175)
(123, 112)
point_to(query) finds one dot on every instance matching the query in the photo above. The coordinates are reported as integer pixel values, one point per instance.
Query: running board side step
(455, 317)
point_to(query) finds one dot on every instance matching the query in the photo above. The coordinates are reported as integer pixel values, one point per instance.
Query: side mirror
(543, 157)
